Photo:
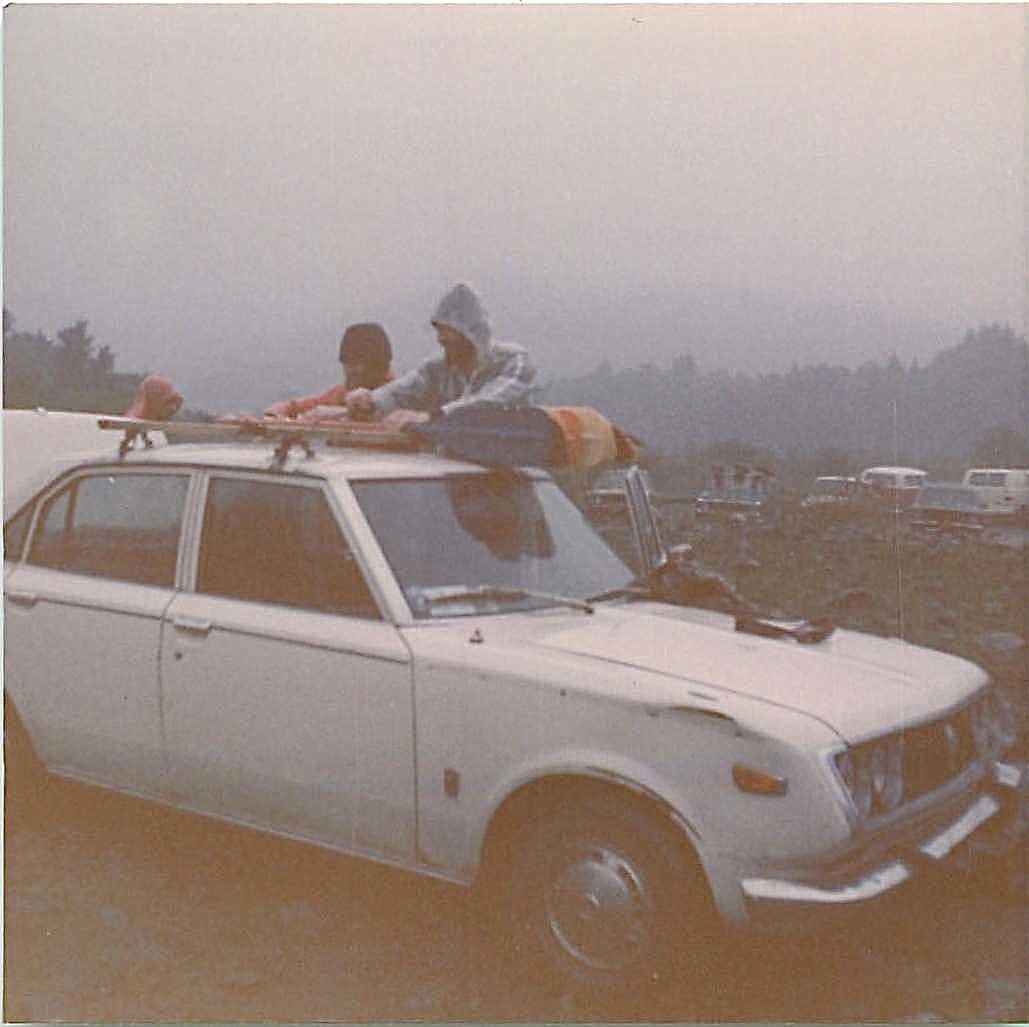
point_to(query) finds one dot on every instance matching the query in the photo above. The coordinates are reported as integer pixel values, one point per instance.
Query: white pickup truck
(440, 665)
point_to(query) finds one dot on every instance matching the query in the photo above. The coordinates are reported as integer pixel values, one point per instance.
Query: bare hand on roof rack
(325, 413)
(360, 405)
(237, 418)
(281, 409)
(398, 418)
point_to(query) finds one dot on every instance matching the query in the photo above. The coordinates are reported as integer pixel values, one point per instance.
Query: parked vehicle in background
(441, 666)
(831, 491)
(892, 486)
(1003, 491)
(741, 489)
(950, 508)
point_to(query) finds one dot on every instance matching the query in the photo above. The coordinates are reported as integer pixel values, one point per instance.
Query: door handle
(191, 626)
(28, 599)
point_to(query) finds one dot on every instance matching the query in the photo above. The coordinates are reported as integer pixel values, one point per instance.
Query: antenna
(896, 527)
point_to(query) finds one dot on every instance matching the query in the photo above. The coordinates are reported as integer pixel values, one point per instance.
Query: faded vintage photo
(514, 513)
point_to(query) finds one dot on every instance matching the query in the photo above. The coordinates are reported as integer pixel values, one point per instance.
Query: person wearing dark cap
(365, 355)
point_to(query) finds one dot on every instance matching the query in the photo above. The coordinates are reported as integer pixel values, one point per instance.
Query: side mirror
(681, 556)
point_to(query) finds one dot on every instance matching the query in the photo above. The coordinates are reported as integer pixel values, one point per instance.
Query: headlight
(980, 721)
(856, 778)
(997, 724)
(887, 767)
(873, 775)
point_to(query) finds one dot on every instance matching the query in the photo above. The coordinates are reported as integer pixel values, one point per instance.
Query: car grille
(934, 753)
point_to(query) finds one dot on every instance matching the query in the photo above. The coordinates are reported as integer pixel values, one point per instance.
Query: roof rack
(286, 435)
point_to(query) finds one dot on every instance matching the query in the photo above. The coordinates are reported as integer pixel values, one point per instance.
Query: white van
(1002, 490)
(896, 485)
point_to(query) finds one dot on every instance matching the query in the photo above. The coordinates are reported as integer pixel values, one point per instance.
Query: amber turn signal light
(747, 779)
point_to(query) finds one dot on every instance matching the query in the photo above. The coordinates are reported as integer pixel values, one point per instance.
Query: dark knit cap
(367, 342)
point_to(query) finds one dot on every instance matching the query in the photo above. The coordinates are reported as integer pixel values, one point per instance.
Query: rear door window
(114, 525)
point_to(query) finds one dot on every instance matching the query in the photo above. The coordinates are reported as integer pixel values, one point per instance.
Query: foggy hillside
(570, 331)
(905, 412)
(970, 398)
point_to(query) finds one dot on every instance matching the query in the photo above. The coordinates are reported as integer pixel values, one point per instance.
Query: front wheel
(607, 893)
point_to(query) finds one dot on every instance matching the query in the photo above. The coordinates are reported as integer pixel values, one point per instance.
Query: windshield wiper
(633, 590)
(502, 592)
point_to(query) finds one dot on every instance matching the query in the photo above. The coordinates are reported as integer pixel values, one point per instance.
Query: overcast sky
(218, 187)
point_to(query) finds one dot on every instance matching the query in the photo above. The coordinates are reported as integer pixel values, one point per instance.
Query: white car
(441, 666)
(1003, 491)
(831, 490)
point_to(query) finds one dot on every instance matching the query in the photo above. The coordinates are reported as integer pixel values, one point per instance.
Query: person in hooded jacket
(364, 356)
(473, 368)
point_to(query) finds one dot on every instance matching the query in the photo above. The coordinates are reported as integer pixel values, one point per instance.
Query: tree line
(967, 406)
(71, 373)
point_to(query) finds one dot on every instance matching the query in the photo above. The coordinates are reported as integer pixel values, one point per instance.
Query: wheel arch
(557, 788)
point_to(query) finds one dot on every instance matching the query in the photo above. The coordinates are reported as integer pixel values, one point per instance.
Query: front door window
(278, 543)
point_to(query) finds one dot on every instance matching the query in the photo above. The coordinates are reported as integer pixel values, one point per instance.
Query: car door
(83, 617)
(287, 696)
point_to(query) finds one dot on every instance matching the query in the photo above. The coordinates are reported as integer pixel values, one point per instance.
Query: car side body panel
(95, 714)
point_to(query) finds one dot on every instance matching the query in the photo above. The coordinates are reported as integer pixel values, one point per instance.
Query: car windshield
(493, 542)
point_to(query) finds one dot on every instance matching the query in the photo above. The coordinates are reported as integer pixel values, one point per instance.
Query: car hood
(855, 683)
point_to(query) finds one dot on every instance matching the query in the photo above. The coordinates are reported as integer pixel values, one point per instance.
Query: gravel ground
(117, 910)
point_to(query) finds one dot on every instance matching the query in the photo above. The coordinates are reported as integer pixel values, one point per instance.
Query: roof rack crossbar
(285, 435)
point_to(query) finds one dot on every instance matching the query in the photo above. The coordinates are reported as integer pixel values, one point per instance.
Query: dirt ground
(117, 910)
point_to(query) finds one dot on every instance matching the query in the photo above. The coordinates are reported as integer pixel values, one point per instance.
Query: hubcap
(598, 909)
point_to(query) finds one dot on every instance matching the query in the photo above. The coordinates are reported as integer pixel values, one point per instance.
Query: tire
(605, 894)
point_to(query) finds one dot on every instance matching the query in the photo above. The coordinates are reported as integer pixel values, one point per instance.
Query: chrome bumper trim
(867, 887)
(883, 878)
(1007, 775)
(978, 813)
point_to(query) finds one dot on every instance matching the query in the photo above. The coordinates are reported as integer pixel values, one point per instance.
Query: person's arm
(333, 396)
(411, 391)
(325, 412)
(512, 384)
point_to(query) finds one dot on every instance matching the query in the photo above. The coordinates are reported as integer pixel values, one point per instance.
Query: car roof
(893, 470)
(317, 456)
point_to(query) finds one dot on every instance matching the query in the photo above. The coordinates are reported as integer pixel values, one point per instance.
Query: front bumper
(993, 821)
